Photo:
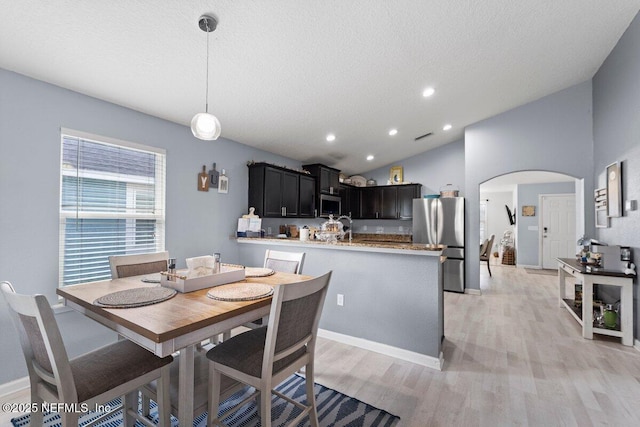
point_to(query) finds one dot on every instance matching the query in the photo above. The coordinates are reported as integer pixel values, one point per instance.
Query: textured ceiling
(286, 73)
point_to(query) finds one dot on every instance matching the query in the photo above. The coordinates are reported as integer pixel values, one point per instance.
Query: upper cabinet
(388, 201)
(327, 179)
(277, 192)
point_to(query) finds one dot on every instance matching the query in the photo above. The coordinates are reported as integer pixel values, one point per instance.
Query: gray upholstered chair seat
(118, 364)
(245, 353)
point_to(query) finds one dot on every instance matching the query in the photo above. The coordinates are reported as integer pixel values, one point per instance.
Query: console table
(568, 266)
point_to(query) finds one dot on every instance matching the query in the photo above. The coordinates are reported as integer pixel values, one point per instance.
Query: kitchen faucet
(350, 225)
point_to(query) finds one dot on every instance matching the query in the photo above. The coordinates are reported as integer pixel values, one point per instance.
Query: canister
(610, 316)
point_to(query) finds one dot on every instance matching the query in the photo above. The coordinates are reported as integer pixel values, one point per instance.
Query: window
(112, 202)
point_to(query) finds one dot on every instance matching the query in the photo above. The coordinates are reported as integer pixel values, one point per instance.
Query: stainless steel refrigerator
(441, 221)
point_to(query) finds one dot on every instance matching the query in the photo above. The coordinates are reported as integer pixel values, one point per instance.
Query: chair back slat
(138, 264)
(41, 341)
(293, 320)
(284, 262)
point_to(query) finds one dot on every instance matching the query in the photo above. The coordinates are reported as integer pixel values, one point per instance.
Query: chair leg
(69, 419)
(489, 268)
(264, 401)
(311, 395)
(130, 403)
(164, 400)
(36, 417)
(214, 396)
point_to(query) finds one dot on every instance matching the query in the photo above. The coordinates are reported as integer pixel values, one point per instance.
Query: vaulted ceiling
(284, 74)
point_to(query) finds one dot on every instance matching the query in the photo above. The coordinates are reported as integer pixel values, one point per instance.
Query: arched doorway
(538, 215)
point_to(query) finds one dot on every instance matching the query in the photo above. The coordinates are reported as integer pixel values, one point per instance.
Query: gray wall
(551, 134)
(528, 241)
(31, 114)
(616, 133)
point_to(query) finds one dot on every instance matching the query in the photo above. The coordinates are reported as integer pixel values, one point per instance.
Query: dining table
(179, 324)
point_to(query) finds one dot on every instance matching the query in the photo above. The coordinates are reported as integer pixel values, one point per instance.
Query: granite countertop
(365, 241)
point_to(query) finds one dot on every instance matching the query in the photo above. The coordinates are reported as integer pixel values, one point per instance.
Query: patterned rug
(545, 271)
(334, 409)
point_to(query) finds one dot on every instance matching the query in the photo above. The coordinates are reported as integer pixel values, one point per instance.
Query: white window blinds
(112, 202)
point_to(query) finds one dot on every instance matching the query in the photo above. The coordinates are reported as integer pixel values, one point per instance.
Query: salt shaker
(216, 262)
(171, 268)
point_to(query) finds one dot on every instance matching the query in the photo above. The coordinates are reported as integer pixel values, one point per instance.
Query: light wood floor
(512, 358)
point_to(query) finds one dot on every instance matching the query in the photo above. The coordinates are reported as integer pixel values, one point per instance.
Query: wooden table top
(172, 318)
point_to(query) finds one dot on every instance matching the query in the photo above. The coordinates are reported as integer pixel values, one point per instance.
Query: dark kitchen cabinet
(327, 179)
(388, 202)
(307, 197)
(404, 203)
(370, 203)
(350, 201)
(277, 192)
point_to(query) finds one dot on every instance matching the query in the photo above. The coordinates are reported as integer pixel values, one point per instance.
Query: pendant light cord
(206, 108)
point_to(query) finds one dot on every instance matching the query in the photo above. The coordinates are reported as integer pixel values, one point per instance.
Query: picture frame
(223, 184)
(613, 175)
(528, 211)
(395, 175)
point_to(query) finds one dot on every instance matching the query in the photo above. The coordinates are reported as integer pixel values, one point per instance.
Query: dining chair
(98, 377)
(138, 264)
(485, 251)
(263, 358)
(285, 262)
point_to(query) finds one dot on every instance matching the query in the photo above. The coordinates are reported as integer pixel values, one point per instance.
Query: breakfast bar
(384, 296)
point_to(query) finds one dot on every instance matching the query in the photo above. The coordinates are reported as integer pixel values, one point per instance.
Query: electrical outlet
(379, 230)
(340, 300)
(364, 228)
(400, 229)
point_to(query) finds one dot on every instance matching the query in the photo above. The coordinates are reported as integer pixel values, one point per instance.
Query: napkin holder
(185, 282)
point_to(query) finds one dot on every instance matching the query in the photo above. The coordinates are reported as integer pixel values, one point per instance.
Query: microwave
(329, 205)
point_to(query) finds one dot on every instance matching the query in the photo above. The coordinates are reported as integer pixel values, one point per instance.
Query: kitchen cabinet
(350, 201)
(307, 197)
(388, 201)
(327, 179)
(277, 192)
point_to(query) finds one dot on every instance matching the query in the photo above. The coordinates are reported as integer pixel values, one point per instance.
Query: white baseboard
(533, 267)
(14, 386)
(398, 353)
(472, 291)
(636, 344)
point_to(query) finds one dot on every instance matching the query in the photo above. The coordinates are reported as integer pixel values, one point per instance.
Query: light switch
(630, 205)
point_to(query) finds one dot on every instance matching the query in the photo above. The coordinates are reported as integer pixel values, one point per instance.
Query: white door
(558, 228)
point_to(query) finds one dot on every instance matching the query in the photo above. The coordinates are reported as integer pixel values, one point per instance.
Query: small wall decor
(395, 175)
(614, 190)
(203, 179)
(213, 177)
(223, 183)
(528, 211)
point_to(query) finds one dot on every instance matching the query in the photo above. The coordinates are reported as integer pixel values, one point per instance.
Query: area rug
(334, 409)
(545, 271)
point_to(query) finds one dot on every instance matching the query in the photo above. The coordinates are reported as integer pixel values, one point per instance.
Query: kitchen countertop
(366, 245)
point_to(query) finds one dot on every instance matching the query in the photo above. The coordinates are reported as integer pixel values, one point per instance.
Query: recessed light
(331, 137)
(393, 132)
(428, 92)
(370, 157)
(447, 127)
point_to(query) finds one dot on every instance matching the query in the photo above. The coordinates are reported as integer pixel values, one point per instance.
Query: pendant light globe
(205, 126)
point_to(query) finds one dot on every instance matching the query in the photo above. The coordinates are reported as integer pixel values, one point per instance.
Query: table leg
(626, 314)
(561, 285)
(185, 386)
(587, 307)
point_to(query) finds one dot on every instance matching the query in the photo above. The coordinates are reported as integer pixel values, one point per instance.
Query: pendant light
(205, 125)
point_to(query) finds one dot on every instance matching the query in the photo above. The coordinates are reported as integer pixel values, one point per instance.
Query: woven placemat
(136, 297)
(258, 272)
(240, 292)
